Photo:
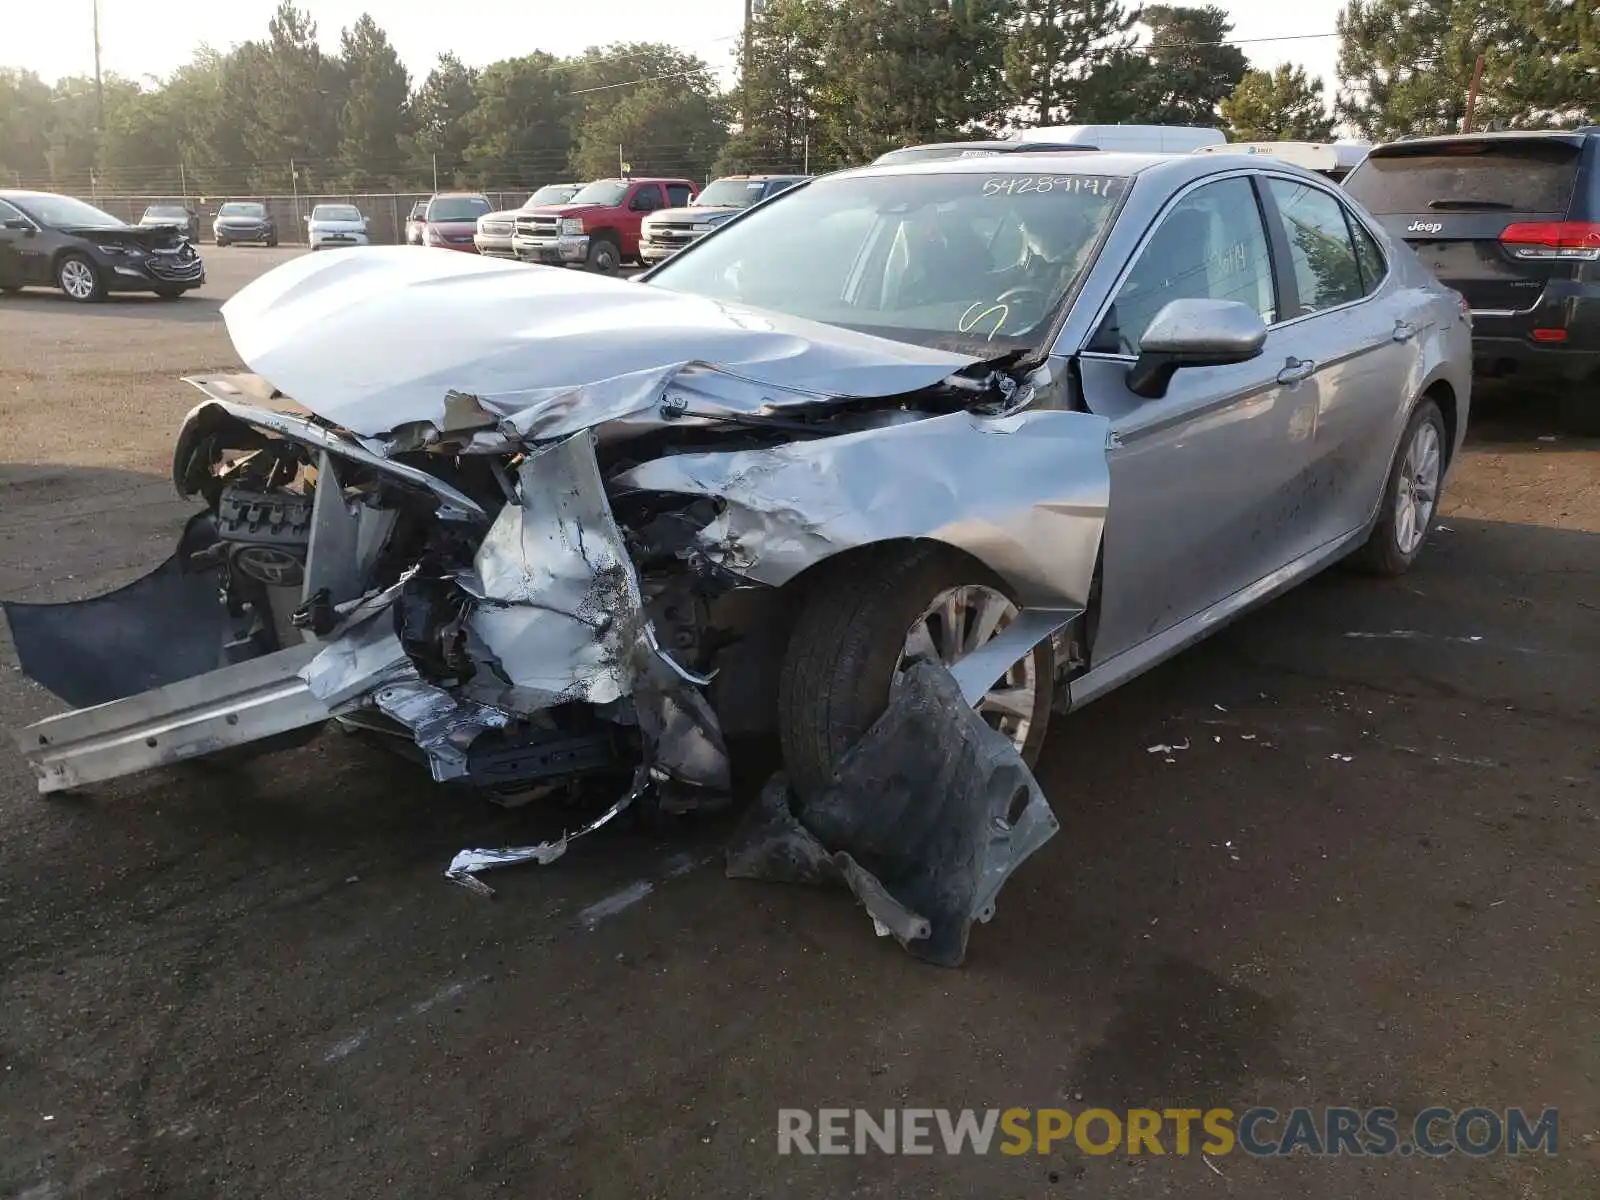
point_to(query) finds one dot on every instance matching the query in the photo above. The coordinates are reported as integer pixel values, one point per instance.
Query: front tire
(79, 279)
(1410, 496)
(605, 256)
(862, 622)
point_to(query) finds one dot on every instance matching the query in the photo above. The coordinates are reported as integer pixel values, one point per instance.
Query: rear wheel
(605, 256)
(1410, 497)
(79, 279)
(860, 626)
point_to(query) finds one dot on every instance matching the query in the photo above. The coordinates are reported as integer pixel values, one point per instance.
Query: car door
(1205, 481)
(646, 199)
(1363, 335)
(24, 248)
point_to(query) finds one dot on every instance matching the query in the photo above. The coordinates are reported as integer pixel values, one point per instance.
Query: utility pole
(99, 86)
(1472, 96)
(436, 172)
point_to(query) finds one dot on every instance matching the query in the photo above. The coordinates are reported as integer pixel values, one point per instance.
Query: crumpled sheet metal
(927, 817)
(366, 665)
(1025, 494)
(559, 602)
(377, 340)
(466, 866)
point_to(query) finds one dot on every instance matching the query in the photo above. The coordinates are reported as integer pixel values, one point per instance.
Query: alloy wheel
(78, 279)
(1418, 490)
(961, 620)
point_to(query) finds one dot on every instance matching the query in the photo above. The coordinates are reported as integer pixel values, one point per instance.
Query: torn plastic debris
(465, 866)
(927, 817)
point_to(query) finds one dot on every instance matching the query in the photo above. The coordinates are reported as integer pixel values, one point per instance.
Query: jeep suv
(1512, 222)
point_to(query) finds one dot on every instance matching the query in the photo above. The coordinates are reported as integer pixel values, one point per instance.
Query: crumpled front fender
(1025, 494)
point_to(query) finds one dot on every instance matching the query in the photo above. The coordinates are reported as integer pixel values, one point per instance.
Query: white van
(1149, 139)
(1333, 159)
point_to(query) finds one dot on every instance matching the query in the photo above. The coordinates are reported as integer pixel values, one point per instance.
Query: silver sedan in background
(1048, 419)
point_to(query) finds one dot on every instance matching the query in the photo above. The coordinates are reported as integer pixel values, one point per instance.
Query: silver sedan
(1048, 419)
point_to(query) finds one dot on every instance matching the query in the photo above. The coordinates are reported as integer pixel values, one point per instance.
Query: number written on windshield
(1022, 185)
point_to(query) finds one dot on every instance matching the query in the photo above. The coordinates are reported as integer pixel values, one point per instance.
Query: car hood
(698, 212)
(468, 226)
(241, 219)
(564, 210)
(377, 341)
(149, 236)
(504, 214)
(340, 226)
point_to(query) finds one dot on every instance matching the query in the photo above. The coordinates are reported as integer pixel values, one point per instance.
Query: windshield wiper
(1490, 205)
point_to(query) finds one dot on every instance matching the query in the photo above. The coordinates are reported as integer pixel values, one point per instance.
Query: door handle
(1296, 369)
(1404, 332)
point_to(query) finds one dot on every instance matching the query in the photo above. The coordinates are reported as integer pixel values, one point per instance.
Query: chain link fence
(386, 212)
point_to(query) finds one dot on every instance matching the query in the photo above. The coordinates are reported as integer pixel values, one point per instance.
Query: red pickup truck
(599, 227)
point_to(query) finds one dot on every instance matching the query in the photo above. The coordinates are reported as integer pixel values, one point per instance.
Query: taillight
(1553, 240)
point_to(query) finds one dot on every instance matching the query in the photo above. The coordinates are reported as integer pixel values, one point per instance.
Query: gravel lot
(227, 983)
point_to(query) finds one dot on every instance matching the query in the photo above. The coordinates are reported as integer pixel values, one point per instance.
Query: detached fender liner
(162, 628)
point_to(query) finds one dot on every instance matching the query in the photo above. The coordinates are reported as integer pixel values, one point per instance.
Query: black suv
(61, 242)
(1512, 222)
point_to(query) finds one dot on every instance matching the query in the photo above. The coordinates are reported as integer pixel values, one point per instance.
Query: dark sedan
(244, 221)
(183, 217)
(56, 241)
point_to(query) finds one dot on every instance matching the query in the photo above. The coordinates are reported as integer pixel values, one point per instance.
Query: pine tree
(440, 112)
(1285, 105)
(1406, 66)
(1192, 69)
(373, 119)
(1055, 48)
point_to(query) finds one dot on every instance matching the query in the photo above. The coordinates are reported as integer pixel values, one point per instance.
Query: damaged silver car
(1045, 421)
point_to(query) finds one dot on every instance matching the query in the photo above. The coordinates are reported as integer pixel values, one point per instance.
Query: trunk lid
(1453, 200)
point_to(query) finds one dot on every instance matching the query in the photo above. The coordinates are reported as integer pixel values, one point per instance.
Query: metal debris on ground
(465, 867)
(926, 818)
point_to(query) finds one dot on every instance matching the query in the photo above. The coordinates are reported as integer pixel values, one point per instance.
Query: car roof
(1088, 162)
(22, 194)
(1418, 145)
(988, 146)
(760, 178)
(454, 195)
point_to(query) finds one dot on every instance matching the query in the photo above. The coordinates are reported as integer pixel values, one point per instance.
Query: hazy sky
(139, 38)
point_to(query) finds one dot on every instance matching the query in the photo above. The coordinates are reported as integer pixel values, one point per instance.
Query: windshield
(730, 193)
(553, 193)
(242, 210)
(921, 258)
(1517, 176)
(166, 212)
(64, 210)
(336, 212)
(457, 208)
(602, 191)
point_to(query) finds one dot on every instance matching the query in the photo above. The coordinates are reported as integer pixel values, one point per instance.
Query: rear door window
(1326, 270)
(1514, 176)
(677, 195)
(1373, 265)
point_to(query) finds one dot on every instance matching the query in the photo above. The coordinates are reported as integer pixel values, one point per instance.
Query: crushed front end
(483, 608)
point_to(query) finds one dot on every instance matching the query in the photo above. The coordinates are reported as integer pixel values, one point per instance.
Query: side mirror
(17, 223)
(1194, 333)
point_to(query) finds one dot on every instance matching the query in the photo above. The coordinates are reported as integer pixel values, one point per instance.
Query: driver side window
(1212, 245)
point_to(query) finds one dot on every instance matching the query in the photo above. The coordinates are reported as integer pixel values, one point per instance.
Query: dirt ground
(1370, 879)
